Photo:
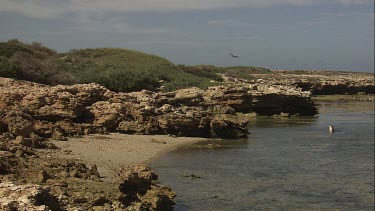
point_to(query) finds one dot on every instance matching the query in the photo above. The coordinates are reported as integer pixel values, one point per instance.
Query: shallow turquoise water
(287, 164)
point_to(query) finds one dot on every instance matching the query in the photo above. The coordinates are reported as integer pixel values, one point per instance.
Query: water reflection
(270, 122)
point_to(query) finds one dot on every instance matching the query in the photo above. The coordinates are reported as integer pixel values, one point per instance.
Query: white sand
(111, 152)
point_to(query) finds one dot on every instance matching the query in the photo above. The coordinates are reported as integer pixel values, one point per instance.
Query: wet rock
(229, 126)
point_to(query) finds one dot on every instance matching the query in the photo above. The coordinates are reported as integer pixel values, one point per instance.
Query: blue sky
(278, 34)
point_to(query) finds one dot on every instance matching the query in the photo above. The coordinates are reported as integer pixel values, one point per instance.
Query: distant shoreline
(333, 98)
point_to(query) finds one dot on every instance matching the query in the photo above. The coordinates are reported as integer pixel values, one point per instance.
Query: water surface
(285, 164)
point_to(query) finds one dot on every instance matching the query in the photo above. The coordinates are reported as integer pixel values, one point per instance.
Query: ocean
(285, 164)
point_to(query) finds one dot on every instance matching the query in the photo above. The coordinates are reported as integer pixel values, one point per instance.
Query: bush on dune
(31, 62)
(118, 69)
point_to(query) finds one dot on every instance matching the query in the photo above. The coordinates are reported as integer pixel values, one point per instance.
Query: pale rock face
(25, 197)
(137, 182)
(318, 82)
(19, 123)
(71, 110)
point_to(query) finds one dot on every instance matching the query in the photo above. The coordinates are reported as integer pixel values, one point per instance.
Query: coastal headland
(82, 144)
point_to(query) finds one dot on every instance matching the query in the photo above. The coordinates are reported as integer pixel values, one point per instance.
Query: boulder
(148, 127)
(190, 96)
(58, 135)
(237, 98)
(19, 123)
(27, 197)
(7, 162)
(229, 127)
(135, 179)
(185, 121)
(107, 114)
(139, 192)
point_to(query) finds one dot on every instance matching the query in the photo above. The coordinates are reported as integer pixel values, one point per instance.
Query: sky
(276, 34)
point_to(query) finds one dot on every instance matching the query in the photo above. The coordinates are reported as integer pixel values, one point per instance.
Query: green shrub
(117, 69)
(245, 72)
(8, 68)
(204, 71)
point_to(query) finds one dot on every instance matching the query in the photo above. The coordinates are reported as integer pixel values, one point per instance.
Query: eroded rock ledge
(321, 82)
(59, 111)
(30, 113)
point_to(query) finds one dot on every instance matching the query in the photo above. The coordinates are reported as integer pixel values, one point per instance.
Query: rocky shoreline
(59, 111)
(32, 114)
(320, 82)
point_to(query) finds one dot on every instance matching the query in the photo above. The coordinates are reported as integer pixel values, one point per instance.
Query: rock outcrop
(59, 111)
(139, 192)
(33, 179)
(26, 197)
(321, 82)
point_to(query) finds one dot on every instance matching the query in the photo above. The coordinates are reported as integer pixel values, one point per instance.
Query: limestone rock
(58, 135)
(26, 197)
(189, 96)
(107, 114)
(229, 126)
(139, 191)
(6, 162)
(19, 123)
(236, 97)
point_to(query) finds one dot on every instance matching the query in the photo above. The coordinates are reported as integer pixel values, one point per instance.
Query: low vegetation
(117, 69)
(245, 72)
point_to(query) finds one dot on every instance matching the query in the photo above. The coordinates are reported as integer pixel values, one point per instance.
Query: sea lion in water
(331, 129)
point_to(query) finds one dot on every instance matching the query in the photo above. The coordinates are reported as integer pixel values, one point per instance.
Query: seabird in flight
(233, 55)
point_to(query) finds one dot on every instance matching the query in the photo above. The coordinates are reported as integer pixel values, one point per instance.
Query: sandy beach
(111, 152)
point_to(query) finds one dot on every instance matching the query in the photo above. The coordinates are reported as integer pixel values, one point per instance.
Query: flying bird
(233, 55)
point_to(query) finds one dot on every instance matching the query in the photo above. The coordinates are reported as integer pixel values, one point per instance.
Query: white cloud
(53, 8)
